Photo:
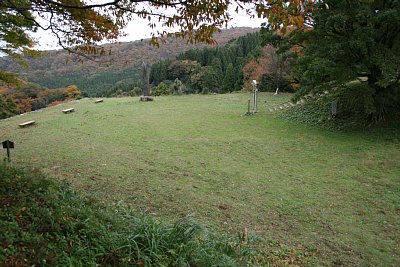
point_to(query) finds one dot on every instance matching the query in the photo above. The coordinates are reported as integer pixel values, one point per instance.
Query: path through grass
(335, 193)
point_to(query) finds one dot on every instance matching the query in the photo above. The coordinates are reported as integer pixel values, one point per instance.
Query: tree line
(26, 97)
(207, 70)
(92, 84)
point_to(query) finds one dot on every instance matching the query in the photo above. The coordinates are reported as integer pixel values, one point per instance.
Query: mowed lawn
(334, 194)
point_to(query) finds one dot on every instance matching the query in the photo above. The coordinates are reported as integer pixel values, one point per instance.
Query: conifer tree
(217, 68)
(229, 79)
(353, 51)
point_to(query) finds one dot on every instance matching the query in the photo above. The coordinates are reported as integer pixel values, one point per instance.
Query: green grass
(336, 194)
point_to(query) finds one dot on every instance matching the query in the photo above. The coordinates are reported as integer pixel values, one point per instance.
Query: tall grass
(46, 223)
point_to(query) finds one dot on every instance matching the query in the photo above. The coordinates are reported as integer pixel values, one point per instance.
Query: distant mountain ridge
(58, 68)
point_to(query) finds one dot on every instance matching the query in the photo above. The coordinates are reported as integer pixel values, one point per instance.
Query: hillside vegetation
(119, 73)
(58, 68)
(228, 68)
(207, 70)
(317, 195)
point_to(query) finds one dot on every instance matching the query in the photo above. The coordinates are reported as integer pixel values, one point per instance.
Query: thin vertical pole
(255, 99)
(8, 152)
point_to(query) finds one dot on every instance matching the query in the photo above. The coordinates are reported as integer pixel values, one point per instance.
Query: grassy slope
(335, 192)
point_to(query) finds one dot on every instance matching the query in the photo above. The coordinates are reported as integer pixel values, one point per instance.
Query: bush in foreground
(45, 223)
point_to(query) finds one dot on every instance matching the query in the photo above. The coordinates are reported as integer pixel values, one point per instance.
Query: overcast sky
(139, 29)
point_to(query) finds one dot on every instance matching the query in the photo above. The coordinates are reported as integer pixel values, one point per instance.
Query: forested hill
(207, 70)
(58, 68)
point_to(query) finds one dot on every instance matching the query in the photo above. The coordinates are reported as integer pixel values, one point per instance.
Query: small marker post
(248, 107)
(8, 153)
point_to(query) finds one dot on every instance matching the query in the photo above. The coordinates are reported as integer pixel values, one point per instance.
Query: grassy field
(334, 194)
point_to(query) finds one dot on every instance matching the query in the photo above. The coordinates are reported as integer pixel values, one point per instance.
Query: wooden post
(8, 152)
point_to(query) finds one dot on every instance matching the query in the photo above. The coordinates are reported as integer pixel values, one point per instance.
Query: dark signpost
(8, 145)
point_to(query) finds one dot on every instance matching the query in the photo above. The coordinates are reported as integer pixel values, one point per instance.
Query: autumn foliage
(72, 92)
(29, 97)
(256, 68)
(80, 25)
(271, 70)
